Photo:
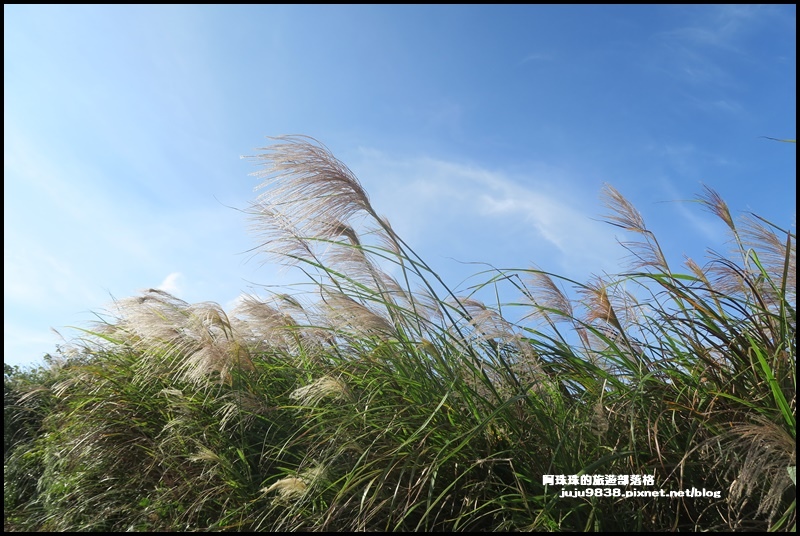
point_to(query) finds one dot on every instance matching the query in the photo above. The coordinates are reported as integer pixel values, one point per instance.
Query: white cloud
(236, 302)
(171, 284)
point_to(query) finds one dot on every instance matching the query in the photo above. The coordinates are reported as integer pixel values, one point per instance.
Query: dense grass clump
(375, 397)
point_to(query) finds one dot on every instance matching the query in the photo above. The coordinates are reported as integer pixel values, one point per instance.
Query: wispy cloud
(721, 26)
(729, 106)
(522, 219)
(704, 50)
(536, 57)
(702, 224)
(688, 159)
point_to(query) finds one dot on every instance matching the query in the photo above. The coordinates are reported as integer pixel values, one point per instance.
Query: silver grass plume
(612, 312)
(347, 316)
(488, 325)
(197, 340)
(280, 323)
(312, 194)
(777, 255)
(320, 389)
(624, 215)
(211, 349)
(547, 299)
(264, 326)
(294, 487)
(769, 450)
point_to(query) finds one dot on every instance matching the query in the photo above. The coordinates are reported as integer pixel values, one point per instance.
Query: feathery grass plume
(762, 452)
(288, 488)
(293, 487)
(351, 266)
(311, 198)
(312, 336)
(314, 194)
(265, 327)
(776, 255)
(626, 216)
(411, 311)
(387, 239)
(337, 229)
(428, 307)
(599, 423)
(239, 408)
(702, 277)
(280, 241)
(346, 316)
(487, 324)
(420, 301)
(216, 350)
(310, 194)
(152, 320)
(302, 169)
(526, 373)
(615, 323)
(390, 248)
(547, 299)
(717, 206)
(319, 389)
(759, 247)
(599, 306)
(358, 270)
(729, 278)
(154, 316)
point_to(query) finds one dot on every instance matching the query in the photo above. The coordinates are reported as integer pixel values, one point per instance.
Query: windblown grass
(376, 397)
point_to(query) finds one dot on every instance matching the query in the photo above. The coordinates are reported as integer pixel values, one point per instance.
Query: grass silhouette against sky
(483, 133)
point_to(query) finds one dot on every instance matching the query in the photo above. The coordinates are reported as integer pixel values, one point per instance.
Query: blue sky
(483, 133)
